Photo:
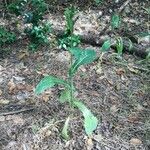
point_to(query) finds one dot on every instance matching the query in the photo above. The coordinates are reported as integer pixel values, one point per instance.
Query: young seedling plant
(78, 57)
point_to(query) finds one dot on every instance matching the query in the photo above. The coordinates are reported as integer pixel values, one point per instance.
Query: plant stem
(71, 77)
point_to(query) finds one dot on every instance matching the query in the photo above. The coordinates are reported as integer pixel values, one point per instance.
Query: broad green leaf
(115, 21)
(65, 96)
(48, 82)
(90, 121)
(106, 46)
(84, 57)
(64, 132)
(76, 51)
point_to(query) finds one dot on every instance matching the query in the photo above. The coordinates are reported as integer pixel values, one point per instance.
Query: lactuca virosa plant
(78, 57)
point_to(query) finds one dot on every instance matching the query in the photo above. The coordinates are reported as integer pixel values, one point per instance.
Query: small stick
(16, 112)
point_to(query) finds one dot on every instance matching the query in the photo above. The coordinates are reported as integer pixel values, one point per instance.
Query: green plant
(36, 10)
(115, 24)
(115, 21)
(105, 47)
(119, 45)
(6, 37)
(38, 35)
(78, 57)
(98, 2)
(17, 7)
(32, 11)
(69, 39)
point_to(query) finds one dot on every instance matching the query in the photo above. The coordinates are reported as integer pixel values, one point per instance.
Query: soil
(118, 93)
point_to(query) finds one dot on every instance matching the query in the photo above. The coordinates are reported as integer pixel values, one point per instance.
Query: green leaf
(106, 46)
(115, 21)
(64, 132)
(48, 82)
(65, 96)
(82, 57)
(90, 121)
(69, 14)
(119, 45)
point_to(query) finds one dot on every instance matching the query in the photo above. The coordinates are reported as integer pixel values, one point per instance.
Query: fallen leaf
(2, 118)
(135, 141)
(99, 70)
(133, 70)
(133, 118)
(120, 71)
(29, 88)
(23, 54)
(11, 86)
(45, 97)
(98, 137)
(4, 102)
(20, 87)
(89, 144)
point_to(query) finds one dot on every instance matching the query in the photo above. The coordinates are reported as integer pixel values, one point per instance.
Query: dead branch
(96, 40)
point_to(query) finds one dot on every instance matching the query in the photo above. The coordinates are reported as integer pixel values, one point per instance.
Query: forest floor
(118, 93)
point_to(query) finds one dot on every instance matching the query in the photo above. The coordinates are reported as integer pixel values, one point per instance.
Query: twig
(16, 112)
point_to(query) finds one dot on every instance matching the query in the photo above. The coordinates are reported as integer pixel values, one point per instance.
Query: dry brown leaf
(89, 144)
(120, 71)
(29, 88)
(11, 86)
(98, 137)
(133, 118)
(20, 87)
(23, 54)
(135, 141)
(133, 70)
(45, 97)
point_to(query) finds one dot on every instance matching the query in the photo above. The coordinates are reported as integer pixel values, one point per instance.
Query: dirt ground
(118, 94)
